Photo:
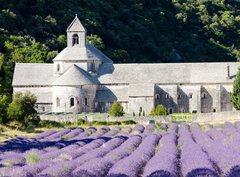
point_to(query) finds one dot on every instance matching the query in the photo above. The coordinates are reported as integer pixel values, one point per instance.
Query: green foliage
(50, 124)
(96, 41)
(139, 114)
(143, 113)
(3, 108)
(32, 157)
(168, 31)
(128, 122)
(116, 110)
(22, 108)
(134, 114)
(181, 117)
(81, 121)
(160, 110)
(235, 94)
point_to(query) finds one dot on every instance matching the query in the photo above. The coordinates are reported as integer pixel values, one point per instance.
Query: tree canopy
(116, 110)
(126, 30)
(235, 95)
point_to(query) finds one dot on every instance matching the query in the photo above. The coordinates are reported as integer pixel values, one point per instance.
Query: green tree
(160, 110)
(235, 94)
(22, 108)
(116, 110)
(95, 40)
(3, 108)
(152, 112)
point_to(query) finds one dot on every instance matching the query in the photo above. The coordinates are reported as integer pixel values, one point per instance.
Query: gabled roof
(75, 26)
(33, 74)
(74, 76)
(77, 53)
(168, 73)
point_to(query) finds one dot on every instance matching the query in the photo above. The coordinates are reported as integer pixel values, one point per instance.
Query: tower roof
(76, 25)
(74, 76)
(76, 53)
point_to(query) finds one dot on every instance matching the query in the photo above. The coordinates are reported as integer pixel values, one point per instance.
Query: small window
(183, 110)
(71, 102)
(204, 95)
(86, 101)
(157, 96)
(93, 69)
(167, 96)
(194, 111)
(58, 102)
(190, 95)
(43, 109)
(75, 39)
(170, 110)
(58, 67)
(179, 96)
(214, 110)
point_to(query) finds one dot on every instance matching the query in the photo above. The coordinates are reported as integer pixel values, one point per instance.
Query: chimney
(228, 71)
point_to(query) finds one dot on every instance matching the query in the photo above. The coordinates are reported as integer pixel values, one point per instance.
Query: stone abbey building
(83, 79)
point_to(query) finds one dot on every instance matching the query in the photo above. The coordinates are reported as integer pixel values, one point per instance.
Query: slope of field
(165, 151)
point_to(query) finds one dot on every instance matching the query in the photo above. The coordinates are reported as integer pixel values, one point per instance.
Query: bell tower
(76, 34)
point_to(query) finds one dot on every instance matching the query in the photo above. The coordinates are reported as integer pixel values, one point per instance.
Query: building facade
(83, 79)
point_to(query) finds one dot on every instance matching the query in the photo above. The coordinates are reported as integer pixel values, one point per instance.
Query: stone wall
(218, 117)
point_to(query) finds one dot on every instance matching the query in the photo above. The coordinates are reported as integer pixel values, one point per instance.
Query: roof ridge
(79, 25)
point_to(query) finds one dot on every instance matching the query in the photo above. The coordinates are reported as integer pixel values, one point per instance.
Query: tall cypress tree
(235, 95)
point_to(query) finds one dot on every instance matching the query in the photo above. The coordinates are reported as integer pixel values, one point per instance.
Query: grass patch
(32, 157)
(182, 117)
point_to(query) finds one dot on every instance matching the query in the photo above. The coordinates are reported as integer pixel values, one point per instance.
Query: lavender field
(167, 151)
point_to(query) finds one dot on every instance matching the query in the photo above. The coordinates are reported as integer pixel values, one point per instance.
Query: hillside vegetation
(126, 30)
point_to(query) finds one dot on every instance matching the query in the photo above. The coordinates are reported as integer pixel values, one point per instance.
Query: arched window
(204, 95)
(214, 110)
(167, 96)
(43, 109)
(58, 102)
(85, 101)
(190, 95)
(170, 110)
(183, 110)
(58, 67)
(179, 96)
(71, 102)
(75, 39)
(157, 96)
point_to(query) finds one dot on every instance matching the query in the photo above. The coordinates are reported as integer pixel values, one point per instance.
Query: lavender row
(100, 166)
(164, 162)
(66, 168)
(131, 166)
(227, 160)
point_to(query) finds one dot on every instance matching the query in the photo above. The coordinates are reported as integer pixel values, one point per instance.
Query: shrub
(50, 124)
(128, 122)
(134, 114)
(32, 157)
(143, 113)
(22, 108)
(235, 94)
(3, 108)
(116, 110)
(81, 121)
(160, 110)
